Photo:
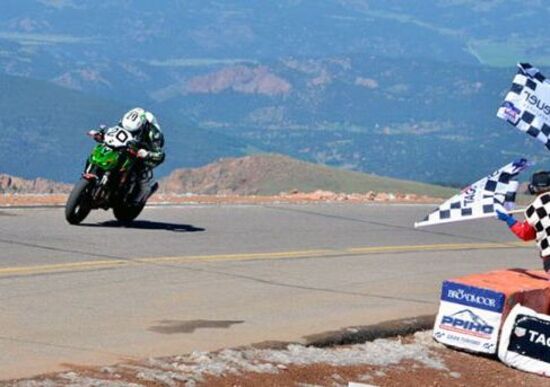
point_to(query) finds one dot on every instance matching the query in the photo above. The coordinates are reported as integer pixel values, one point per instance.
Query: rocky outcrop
(11, 184)
(242, 176)
(241, 79)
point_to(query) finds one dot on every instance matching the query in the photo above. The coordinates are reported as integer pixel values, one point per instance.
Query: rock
(382, 197)
(241, 79)
(11, 184)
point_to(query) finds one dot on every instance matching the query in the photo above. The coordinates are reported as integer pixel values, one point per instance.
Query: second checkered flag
(481, 199)
(527, 104)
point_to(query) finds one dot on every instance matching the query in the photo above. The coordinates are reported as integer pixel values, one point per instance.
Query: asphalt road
(207, 277)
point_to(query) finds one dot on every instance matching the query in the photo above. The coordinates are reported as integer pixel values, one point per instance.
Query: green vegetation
(42, 39)
(507, 53)
(200, 62)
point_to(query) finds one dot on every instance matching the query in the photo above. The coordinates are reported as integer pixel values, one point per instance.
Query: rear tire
(126, 214)
(78, 205)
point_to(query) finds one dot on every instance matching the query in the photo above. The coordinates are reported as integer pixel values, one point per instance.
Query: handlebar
(131, 147)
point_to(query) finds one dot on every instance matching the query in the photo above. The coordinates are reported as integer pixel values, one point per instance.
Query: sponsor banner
(469, 317)
(472, 296)
(525, 341)
(466, 327)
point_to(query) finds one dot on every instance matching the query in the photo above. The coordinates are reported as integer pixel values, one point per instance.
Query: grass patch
(506, 53)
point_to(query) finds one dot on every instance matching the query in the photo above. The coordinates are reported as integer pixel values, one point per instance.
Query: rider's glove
(142, 154)
(96, 135)
(509, 219)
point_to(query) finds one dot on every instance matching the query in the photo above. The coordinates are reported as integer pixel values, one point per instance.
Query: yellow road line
(443, 246)
(241, 257)
(69, 266)
(115, 263)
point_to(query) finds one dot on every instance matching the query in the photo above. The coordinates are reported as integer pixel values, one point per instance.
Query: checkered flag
(481, 199)
(527, 104)
(537, 215)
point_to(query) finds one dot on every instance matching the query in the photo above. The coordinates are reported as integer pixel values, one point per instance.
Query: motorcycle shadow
(147, 225)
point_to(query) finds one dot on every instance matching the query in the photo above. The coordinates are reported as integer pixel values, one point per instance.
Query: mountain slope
(43, 131)
(272, 174)
(43, 127)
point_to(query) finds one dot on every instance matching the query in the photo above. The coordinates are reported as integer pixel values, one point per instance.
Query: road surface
(207, 277)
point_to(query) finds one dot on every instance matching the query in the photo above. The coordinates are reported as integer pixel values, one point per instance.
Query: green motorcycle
(109, 180)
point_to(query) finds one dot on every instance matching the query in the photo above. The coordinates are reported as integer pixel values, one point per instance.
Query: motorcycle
(109, 180)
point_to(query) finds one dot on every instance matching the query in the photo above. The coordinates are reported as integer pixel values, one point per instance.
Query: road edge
(355, 334)
(361, 334)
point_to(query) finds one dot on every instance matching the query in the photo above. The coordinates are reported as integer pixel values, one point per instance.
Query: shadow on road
(147, 225)
(169, 327)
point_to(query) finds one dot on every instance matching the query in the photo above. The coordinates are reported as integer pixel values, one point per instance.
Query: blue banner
(472, 296)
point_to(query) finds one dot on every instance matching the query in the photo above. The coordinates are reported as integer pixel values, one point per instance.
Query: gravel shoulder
(399, 361)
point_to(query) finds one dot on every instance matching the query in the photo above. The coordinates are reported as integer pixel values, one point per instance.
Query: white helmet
(136, 119)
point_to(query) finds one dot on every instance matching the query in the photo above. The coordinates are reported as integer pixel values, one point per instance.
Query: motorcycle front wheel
(78, 205)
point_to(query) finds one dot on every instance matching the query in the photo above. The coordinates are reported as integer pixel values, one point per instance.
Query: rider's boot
(145, 192)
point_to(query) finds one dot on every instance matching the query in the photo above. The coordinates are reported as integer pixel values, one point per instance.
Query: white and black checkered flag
(481, 199)
(527, 104)
(537, 215)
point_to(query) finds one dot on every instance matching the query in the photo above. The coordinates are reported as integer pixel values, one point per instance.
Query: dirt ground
(463, 370)
(424, 363)
(406, 374)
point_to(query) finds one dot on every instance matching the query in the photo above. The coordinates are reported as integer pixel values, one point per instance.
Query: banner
(469, 317)
(527, 105)
(525, 341)
(481, 199)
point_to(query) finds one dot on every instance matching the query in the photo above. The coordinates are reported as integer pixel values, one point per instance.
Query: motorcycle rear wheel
(127, 213)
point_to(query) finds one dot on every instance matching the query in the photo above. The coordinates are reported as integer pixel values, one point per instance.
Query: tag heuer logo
(520, 332)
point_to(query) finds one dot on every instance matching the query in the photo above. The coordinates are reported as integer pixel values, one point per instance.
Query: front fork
(100, 182)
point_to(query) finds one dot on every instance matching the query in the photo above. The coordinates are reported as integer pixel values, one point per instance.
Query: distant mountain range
(391, 121)
(397, 89)
(120, 35)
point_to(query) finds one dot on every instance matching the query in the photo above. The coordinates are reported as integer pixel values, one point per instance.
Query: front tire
(127, 213)
(78, 205)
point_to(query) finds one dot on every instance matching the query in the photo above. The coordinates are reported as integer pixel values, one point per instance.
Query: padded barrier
(525, 341)
(473, 308)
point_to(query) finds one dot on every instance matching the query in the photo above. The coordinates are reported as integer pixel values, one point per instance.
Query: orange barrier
(530, 288)
(474, 307)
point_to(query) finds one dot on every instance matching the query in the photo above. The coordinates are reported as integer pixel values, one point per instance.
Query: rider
(536, 225)
(144, 126)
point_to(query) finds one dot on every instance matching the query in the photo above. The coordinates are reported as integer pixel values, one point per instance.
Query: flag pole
(518, 211)
(486, 216)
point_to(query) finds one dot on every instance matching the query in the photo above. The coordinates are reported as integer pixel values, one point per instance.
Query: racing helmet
(540, 182)
(134, 120)
(137, 119)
